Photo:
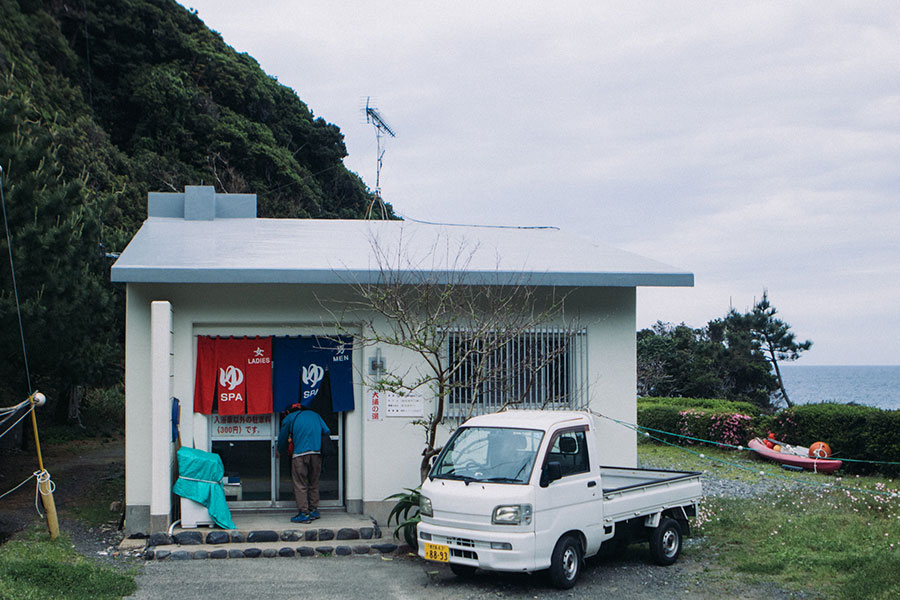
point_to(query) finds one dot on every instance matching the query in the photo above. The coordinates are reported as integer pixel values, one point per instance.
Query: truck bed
(629, 493)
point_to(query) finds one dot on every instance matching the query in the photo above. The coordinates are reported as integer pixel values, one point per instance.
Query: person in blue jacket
(305, 428)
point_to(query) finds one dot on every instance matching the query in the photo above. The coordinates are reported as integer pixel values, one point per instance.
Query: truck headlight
(512, 514)
(425, 508)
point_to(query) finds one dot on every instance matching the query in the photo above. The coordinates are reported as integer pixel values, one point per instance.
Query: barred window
(539, 369)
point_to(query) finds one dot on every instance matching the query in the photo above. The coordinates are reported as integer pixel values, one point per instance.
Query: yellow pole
(38, 399)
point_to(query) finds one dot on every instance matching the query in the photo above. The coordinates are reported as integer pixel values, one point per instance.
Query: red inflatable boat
(796, 456)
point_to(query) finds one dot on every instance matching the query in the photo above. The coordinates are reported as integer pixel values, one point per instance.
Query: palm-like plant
(406, 515)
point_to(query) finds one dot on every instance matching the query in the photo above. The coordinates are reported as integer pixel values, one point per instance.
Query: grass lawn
(837, 537)
(34, 567)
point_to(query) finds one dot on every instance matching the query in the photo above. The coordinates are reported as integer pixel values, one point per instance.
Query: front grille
(454, 541)
(463, 553)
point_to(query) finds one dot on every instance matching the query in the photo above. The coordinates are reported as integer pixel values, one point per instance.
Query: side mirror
(550, 473)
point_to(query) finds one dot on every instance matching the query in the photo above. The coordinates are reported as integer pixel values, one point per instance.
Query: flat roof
(319, 251)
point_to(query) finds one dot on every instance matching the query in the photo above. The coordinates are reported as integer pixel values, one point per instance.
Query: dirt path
(77, 468)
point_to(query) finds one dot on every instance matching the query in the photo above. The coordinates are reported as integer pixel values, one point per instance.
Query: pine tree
(775, 338)
(69, 311)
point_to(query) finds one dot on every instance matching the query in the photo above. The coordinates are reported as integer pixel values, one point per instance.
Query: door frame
(338, 441)
(250, 330)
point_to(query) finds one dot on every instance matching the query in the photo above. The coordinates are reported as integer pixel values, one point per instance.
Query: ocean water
(877, 386)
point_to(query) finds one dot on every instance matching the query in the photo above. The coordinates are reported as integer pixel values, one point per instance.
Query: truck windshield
(492, 454)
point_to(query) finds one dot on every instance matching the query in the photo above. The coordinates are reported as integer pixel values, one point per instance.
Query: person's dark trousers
(305, 471)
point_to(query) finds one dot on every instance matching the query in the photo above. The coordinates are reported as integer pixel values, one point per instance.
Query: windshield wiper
(503, 480)
(451, 475)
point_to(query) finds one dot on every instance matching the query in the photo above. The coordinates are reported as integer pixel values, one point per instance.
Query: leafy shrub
(102, 415)
(726, 428)
(708, 419)
(660, 417)
(708, 404)
(103, 410)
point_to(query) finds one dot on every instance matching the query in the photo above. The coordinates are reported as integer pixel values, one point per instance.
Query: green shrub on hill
(102, 101)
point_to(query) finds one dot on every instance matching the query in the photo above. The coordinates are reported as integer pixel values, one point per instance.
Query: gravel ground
(726, 487)
(730, 488)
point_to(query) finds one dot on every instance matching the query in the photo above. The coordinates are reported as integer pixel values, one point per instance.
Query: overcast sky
(754, 144)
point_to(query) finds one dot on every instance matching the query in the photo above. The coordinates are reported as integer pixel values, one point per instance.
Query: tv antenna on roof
(381, 129)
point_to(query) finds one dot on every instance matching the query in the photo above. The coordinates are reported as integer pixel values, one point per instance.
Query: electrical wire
(407, 218)
(12, 271)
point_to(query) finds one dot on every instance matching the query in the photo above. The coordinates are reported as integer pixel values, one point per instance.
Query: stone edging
(221, 536)
(162, 546)
(152, 553)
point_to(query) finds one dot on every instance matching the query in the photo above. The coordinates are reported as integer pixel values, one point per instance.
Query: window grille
(541, 369)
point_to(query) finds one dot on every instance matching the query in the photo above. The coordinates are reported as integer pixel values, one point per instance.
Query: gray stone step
(267, 550)
(192, 544)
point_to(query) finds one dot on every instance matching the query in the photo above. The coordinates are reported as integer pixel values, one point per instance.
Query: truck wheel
(665, 542)
(462, 571)
(565, 563)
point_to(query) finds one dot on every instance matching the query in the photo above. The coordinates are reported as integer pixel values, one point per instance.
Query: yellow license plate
(438, 552)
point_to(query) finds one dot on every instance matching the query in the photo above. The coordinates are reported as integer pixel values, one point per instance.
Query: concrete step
(336, 534)
(268, 550)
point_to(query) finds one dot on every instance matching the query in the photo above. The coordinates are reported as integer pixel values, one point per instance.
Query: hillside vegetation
(102, 101)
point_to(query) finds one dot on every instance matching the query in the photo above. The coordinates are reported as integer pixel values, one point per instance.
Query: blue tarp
(199, 479)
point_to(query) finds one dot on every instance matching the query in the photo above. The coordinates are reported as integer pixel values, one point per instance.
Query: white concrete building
(203, 265)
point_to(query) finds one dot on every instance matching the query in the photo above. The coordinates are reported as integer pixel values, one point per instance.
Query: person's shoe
(314, 514)
(301, 517)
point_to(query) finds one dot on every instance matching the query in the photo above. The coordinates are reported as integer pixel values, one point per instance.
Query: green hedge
(853, 431)
(715, 420)
(709, 404)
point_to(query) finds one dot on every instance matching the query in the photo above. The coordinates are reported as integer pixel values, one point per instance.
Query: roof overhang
(313, 251)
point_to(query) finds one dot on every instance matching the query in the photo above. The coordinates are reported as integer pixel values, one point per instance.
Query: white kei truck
(524, 490)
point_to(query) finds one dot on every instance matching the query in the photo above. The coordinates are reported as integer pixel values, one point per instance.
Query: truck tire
(462, 571)
(665, 542)
(565, 562)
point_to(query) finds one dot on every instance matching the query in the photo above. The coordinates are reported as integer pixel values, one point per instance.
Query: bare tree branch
(464, 334)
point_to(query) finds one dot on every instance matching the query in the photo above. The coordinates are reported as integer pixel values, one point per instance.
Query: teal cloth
(199, 479)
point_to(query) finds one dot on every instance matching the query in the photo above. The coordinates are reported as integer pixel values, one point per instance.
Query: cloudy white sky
(754, 144)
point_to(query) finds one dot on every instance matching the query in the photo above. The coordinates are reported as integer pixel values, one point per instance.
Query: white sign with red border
(383, 404)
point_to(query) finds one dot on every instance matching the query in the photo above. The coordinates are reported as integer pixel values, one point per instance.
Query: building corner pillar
(161, 386)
